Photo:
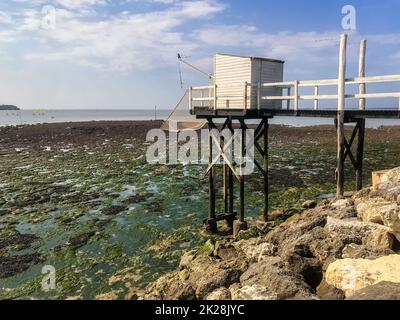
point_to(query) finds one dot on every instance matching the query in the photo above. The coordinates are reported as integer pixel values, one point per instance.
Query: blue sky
(122, 53)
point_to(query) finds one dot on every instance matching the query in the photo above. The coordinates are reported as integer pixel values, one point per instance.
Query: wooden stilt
(241, 217)
(340, 117)
(266, 182)
(226, 183)
(211, 224)
(340, 155)
(360, 154)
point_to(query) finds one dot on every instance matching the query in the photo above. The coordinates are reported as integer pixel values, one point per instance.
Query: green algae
(62, 198)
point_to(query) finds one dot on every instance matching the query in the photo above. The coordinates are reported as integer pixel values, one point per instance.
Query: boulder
(207, 274)
(389, 179)
(391, 218)
(356, 251)
(309, 204)
(351, 275)
(251, 292)
(372, 235)
(270, 278)
(381, 291)
(369, 210)
(219, 294)
(256, 249)
(170, 287)
(326, 291)
(341, 204)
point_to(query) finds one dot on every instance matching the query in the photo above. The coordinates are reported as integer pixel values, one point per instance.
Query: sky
(103, 54)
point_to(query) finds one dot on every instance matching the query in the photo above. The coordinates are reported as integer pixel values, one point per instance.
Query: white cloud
(125, 41)
(79, 4)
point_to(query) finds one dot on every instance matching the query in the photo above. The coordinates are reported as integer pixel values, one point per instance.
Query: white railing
(212, 98)
(329, 82)
(207, 96)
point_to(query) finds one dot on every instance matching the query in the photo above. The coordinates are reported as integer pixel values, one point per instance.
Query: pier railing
(253, 98)
(316, 84)
(207, 96)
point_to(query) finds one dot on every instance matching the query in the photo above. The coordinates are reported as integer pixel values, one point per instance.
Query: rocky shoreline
(339, 249)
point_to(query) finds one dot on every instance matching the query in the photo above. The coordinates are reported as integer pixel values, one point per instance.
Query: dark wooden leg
(211, 224)
(266, 182)
(230, 177)
(226, 185)
(360, 154)
(241, 218)
(340, 155)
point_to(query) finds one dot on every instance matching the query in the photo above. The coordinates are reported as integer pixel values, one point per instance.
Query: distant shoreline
(6, 107)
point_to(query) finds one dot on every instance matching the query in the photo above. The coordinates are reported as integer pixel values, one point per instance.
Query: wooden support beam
(340, 117)
(296, 95)
(360, 154)
(226, 187)
(230, 177)
(266, 182)
(211, 181)
(361, 73)
(316, 92)
(241, 182)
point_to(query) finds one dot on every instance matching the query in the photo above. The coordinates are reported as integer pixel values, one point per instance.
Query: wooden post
(226, 186)
(191, 100)
(288, 100)
(266, 184)
(360, 154)
(296, 95)
(361, 73)
(215, 97)
(243, 131)
(340, 117)
(211, 178)
(316, 92)
(246, 85)
(230, 177)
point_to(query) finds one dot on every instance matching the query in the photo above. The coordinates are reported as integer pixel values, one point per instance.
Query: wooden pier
(206, 107)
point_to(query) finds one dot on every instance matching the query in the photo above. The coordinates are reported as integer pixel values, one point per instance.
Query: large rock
(207, 274)
(219, 294)
(369, 210)
(170, 287)
(270, 280)
(372, 235)
(351, 275)
(251, 292)
(389, 185)
(381, 291)
(391, 218)
(390, 179)
(326, 291)
(256, 249)
(356, 251)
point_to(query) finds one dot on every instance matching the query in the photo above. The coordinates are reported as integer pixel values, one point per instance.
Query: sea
(31, 117)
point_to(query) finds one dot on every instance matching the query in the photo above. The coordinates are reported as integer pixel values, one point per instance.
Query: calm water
(13, 118)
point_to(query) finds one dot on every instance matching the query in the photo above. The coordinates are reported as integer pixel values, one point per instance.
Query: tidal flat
(82, 198)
